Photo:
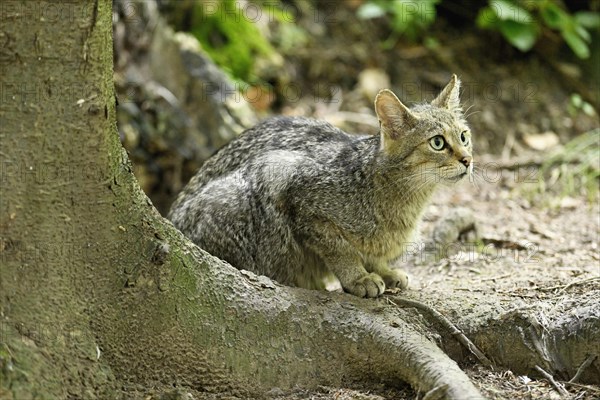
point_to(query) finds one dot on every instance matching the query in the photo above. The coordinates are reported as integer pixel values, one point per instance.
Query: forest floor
(539, 249)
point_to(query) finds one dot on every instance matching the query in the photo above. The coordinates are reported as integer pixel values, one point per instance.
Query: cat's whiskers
(477, 174)
(411, 186)
(466, 112)
(472, 175)
(472, 113)
(409, 179)
(468, 108)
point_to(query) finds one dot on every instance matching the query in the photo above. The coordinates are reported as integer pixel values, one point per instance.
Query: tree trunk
(102, 298)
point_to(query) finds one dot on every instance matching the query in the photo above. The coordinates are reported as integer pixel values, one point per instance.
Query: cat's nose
(467, 161)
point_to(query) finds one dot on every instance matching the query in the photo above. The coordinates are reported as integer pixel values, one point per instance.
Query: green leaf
(576, 43)
(431, 43)
(487, 18)
(405, 15)
(405, 10)
(588, 109)
(370, 10)
(576, 100)
(554, 16)
(428, 13)
(522, 36)
(508, 11)
(588, 19)
(583, 33)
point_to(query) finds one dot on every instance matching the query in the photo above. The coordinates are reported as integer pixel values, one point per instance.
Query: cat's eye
(463, 138)
(437, 142)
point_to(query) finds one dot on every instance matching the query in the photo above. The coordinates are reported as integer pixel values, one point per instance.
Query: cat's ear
(394, 117)
(449, 97)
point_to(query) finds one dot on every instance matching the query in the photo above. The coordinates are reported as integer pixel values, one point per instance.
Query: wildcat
(297, 199)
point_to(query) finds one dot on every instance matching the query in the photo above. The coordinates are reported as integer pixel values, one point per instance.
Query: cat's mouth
(457, 178)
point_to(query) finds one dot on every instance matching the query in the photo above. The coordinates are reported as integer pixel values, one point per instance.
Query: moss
(229, 35)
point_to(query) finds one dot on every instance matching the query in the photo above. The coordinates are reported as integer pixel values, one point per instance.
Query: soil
(541, 256)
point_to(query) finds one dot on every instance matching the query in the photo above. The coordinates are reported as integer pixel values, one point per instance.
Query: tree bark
(100, 297)
(59, 154)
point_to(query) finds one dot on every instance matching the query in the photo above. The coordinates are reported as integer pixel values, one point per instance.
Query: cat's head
(433, 139)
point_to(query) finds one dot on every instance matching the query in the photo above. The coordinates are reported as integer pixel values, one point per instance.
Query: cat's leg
(346, 264)
(393, 277)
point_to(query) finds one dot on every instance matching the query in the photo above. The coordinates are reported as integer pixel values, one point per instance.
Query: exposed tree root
(445, 322)
(588, 361)
(559, 388)
(561, 336)
(266, 335)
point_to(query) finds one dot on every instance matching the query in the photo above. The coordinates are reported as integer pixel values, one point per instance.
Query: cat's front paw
(395, 278)
(370, 285)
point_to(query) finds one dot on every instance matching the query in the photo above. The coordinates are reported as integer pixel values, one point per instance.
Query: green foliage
(521, 23)
(408, 17)
(577, 105)
(229, 35)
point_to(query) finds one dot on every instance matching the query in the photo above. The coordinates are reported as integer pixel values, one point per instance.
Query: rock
(176, 107)
(458, 225)
(541, 141)
(569, 203)
(371, 81)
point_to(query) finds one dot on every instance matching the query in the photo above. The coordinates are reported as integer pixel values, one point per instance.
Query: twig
(577, 283)
(588, 361)
(512, 164)
(508, 145)
(493, 278)
(436, 393)
(515, 294)
(569, 285)
(559, 388)
(586, 387)
(457, 333)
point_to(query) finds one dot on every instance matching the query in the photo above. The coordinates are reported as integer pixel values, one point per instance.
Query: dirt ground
(533, 248)
(547, 251)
